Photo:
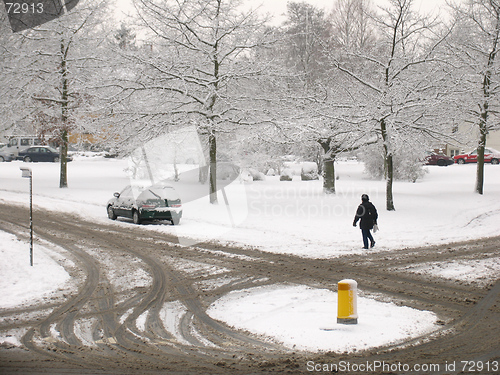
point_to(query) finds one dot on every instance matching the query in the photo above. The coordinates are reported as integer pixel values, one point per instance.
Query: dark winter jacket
(368, 214)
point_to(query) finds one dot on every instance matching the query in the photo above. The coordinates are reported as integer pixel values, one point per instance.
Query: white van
(20, 143)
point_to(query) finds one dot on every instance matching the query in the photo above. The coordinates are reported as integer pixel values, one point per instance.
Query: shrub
(286, 175)
(407, 164)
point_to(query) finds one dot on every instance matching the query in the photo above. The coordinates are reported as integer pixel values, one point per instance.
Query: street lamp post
(27, 173)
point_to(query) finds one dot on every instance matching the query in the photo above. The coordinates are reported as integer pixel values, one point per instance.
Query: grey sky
(277, 8)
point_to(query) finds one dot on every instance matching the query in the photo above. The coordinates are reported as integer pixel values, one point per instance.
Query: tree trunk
(328, 166)
(212, 145)
(329, 176)
(390, 179)
(483, 121)
(483, 132)
(389, 168)
(63, 153)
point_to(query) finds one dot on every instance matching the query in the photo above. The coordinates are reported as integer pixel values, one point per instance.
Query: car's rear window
(160, 193)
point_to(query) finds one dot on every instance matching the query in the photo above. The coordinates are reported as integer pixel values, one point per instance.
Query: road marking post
(347, 312)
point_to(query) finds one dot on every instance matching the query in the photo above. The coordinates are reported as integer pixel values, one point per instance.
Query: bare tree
(53, 66)
(197, 69)
(352, 24)
(306, 30)
(315, 109)
(125, 37)
(9, 64)
(393, 85)
(473, 55)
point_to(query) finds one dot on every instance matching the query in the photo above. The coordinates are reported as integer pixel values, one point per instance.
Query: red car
(490, 156)
(433, 158)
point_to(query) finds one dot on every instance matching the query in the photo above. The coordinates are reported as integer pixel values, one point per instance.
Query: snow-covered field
(286, 217)
(283, 217)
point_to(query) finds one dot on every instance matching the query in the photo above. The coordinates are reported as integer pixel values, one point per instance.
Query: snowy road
(140, 303)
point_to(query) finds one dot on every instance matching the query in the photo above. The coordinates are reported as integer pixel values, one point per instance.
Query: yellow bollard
(347, 302)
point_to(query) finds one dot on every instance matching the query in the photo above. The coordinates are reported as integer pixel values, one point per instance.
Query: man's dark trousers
(366, 236)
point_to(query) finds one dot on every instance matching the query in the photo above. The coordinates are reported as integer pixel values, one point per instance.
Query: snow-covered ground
(283, 217)
(303, 318)
(292, 217)
(479, 271)
(20, 283)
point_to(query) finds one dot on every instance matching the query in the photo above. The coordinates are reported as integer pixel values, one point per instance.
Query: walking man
(368, 215)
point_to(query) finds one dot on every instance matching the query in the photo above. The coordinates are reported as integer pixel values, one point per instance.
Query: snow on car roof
(146, 184)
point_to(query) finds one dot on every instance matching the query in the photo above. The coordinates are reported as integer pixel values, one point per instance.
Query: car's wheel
(175, 221)
(461, 161)
(111, 213)
(441, 163)
(56, 159)
(136, 218)
(27, 159)
(2, 159)
(494, 161)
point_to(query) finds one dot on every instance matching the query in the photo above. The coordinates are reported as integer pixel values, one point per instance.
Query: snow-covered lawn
(303, 318)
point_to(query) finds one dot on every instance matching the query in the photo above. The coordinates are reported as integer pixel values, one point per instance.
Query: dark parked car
(433, 158)
(490, 156)
(157, 202)
(40, 153)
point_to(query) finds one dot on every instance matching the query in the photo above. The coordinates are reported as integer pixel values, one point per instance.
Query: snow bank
(21, 283)
(303, 318)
